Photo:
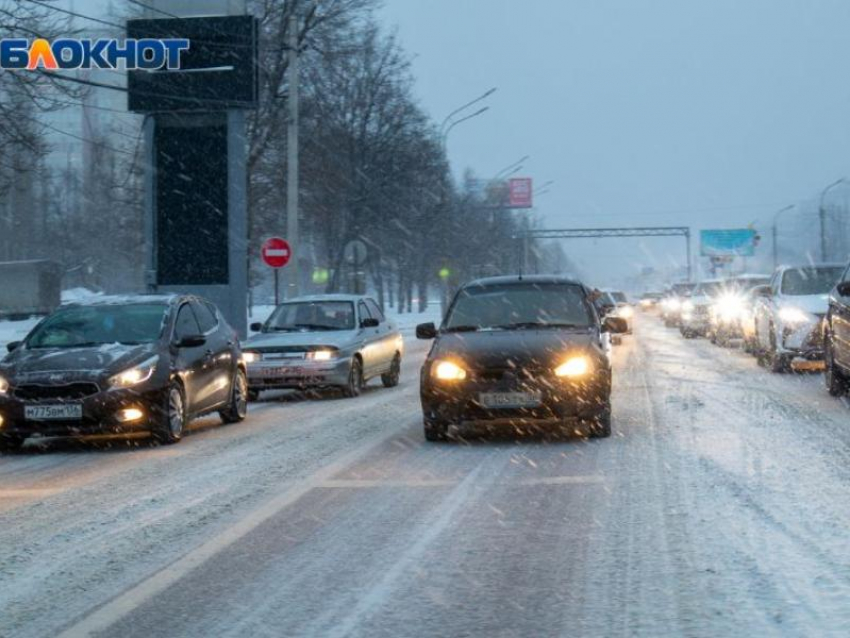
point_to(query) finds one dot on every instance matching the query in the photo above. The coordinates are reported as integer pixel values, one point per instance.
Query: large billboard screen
(727, 243)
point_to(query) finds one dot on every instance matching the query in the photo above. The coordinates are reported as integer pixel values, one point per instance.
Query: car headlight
(674, 304)
(321, 355)
(626, 312)
(4, 386)
(135, 375)
(790, 314)
(252, 357)
(447, 371)
(687, 306)
(573, 367)
(729, 306)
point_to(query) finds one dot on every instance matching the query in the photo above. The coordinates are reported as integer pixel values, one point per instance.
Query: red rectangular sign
(519, 192)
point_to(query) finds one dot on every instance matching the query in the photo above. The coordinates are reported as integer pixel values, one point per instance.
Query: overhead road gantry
(587, 233)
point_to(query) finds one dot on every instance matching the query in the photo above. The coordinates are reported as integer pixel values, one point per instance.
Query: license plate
(64, 412)
(509, 399)
(279, 372)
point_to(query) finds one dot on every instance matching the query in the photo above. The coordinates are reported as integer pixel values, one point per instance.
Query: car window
(206, 318)
(186, 324)
(375, 310)
(810, 281)
(508, 306)
(311, 315)
(363, 311)
(77, 326)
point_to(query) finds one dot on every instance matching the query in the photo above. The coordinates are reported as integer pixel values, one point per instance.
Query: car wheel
(238, 408)
(173, 420)
(355, 379)
(390, 379)
(778, 362)
(835, 381)
(11, 442)
(435, 430)
(600, 425)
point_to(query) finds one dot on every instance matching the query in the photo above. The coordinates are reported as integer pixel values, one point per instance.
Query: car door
(370, 340)
(190, 362)
(839, 320)
(387, 337)
(218, 353)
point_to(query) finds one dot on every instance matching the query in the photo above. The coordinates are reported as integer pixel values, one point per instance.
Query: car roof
(114, 300)
(826, 264)
(327, 297)
(524, 279)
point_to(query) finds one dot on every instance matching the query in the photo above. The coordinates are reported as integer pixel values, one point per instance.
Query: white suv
(789, 314)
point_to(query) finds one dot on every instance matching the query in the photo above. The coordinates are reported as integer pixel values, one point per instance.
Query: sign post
(276, 254)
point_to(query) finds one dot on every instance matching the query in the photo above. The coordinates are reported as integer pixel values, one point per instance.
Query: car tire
(11, 442)
(777, 362)
(599, 427)
(835, 382)
(391, 378)
(173, 419)
(355, 379)
(435, 430)
(237, 409)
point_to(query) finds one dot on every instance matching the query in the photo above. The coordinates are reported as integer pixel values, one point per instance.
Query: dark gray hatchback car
(121, 364)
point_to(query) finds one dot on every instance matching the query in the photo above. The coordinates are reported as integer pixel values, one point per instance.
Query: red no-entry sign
(276, 252)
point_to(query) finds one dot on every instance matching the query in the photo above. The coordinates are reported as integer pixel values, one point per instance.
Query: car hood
(813, 304)
(520, 348)
(73, 363)
(337, 339)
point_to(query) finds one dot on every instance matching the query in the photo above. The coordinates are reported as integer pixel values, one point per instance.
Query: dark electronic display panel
(191, 206)
(219, 71)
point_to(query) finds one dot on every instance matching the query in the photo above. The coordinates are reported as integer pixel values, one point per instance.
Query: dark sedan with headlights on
(118, 364)
(518, 350)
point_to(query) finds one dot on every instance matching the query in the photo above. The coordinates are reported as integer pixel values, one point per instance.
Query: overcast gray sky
(644, 112)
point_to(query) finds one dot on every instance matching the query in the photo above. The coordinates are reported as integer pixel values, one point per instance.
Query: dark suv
(118, 364)
(518, 349)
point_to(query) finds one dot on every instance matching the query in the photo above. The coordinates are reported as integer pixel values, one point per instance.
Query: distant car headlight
(252, 357)
(674, 304)
(321, 355)
(793, 315)
(626, 312)
(135, 375)
(687, 306)
(447, 371)
(4, 386)
(729, 306)
(573, 367)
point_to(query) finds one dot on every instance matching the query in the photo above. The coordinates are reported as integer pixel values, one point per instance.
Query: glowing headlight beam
(448, 371)
(573, 367)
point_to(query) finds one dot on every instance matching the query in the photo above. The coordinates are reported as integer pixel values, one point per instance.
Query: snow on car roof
(106, 300)
(326, 297)
(513, 279)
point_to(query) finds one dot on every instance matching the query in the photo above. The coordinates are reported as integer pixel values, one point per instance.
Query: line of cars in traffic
(515, 349)
(797, 319)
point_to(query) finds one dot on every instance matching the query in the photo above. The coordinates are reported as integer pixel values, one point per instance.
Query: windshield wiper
(523, 325)
(463, 329)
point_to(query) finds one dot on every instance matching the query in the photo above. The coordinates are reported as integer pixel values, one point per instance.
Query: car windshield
(619, 297)
(683, 290)
(84, 326)
(312, 316)
(710, 289)
(519, 305)
(810, 281)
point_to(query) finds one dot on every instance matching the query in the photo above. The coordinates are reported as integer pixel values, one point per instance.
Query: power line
(75, 14)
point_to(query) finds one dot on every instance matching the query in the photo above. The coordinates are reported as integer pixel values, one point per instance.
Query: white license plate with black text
(509, 399)
(62, 412)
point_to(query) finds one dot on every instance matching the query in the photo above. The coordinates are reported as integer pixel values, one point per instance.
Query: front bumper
(461, 402)
(100, 413)
(298, 374)
(803, 341)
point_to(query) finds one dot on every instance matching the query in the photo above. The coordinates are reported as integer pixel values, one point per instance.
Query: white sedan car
(788, 317)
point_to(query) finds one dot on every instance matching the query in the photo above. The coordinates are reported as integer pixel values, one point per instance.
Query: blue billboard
(726, 243)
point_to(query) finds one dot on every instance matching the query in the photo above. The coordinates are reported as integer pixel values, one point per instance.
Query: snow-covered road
(718, 508)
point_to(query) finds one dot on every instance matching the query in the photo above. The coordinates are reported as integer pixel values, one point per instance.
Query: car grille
(507, 373)
(69, 392)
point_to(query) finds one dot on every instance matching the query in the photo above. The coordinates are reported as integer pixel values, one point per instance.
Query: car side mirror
(14, 345)
(426, 331)
(370, 322)
(256, 327)
(843, 289)
(191, 341)
(615, 325)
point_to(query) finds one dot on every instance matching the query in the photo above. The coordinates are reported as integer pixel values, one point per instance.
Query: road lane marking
(111, 612)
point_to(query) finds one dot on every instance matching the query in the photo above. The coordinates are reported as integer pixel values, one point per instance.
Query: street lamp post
(775, 245)
(822, 215)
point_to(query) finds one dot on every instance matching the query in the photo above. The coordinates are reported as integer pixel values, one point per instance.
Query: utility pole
(292, 235)
(822, 215)
(776, 236)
